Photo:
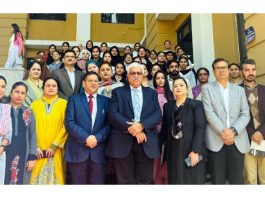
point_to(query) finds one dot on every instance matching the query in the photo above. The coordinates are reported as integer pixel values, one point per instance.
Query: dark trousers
(228, 164)
(136, 168)
(87, 172)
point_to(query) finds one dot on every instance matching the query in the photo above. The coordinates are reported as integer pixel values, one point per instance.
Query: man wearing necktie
(133, 143)
(88, 129)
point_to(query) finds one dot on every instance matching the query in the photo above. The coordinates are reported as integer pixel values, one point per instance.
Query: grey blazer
(215, 113)
(65, 87)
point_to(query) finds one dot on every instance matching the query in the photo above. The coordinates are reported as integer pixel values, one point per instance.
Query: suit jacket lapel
(231, 96)
(99, 110)
(77, 79)
(219, 94)
(85, 103)
(145, 99)
(129, 97)
(64, 72)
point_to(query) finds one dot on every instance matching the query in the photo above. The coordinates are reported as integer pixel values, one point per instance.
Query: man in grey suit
(227, 113)
(70, 79)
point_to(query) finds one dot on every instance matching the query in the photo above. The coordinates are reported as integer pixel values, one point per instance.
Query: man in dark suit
(69, 78)
(254, 162)
(133, 142)
(88, 129)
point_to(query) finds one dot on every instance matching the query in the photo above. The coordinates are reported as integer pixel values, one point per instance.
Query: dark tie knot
(90, 97)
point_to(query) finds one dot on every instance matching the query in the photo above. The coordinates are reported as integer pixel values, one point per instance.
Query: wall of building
(225, 37)
(117, 33)
(256, 48)
(160, 30)
(53, 29)
(5, 32)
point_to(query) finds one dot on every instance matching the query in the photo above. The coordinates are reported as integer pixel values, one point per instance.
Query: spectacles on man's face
(69, 56)
(136, 73)
(221, 68)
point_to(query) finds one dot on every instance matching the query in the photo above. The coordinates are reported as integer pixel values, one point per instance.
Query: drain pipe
(241, 36)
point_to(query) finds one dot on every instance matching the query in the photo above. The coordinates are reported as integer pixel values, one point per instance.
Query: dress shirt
(94, 112)
(225, 95)
(71, 75)
(140, 96)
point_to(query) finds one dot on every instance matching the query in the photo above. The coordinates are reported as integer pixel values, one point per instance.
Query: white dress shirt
(71, 75)
(95, 107)
(225, 95)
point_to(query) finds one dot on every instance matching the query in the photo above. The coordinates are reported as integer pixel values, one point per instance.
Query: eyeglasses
(136, 73)
(221, 68)
(69, 56)
(92, 81)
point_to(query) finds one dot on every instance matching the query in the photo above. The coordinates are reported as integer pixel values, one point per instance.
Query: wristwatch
(234, 130)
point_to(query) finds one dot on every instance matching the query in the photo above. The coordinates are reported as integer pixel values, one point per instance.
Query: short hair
(217, 60)
(135, 64)
(69, 50)
(172, 61)
(90, 73)
(248, 61)
(202, 68)
(237, 65)
(50, 78)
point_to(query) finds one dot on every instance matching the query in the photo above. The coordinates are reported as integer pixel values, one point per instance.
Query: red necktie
(90, 103)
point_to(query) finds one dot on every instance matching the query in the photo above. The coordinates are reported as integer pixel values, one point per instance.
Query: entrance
(184, 37)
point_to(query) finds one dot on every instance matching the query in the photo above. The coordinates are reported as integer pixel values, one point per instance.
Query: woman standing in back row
(15, 52)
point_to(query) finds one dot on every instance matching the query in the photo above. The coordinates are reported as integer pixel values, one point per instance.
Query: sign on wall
(250, 34)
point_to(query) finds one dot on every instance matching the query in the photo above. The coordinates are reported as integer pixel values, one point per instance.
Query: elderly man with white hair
(133, 142)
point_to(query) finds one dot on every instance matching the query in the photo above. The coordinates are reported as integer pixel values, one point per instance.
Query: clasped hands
(136, 130)
(91, 141)
(257, 137)
(228, 136)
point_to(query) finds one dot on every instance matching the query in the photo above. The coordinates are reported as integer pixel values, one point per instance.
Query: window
(117, 18)
(54, 16)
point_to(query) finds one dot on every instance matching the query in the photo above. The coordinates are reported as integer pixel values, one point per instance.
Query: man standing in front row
(88, 129)
(227, 113)
(133, 142)
(254, 165)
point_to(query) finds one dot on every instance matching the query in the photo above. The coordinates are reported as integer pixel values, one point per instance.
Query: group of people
(131, 120)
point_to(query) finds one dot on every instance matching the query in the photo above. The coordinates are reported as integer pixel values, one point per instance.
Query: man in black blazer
(70, 79)
(133, 142)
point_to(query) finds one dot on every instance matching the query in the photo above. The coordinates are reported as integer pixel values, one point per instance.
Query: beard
(249, 78)
(174, 74)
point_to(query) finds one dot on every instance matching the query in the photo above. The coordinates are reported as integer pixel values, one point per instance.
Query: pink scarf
(5, 118)
(160, 90)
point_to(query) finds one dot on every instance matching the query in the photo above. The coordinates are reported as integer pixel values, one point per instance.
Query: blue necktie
(136, 105)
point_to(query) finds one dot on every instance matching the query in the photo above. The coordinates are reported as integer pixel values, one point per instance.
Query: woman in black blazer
(183, 137)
